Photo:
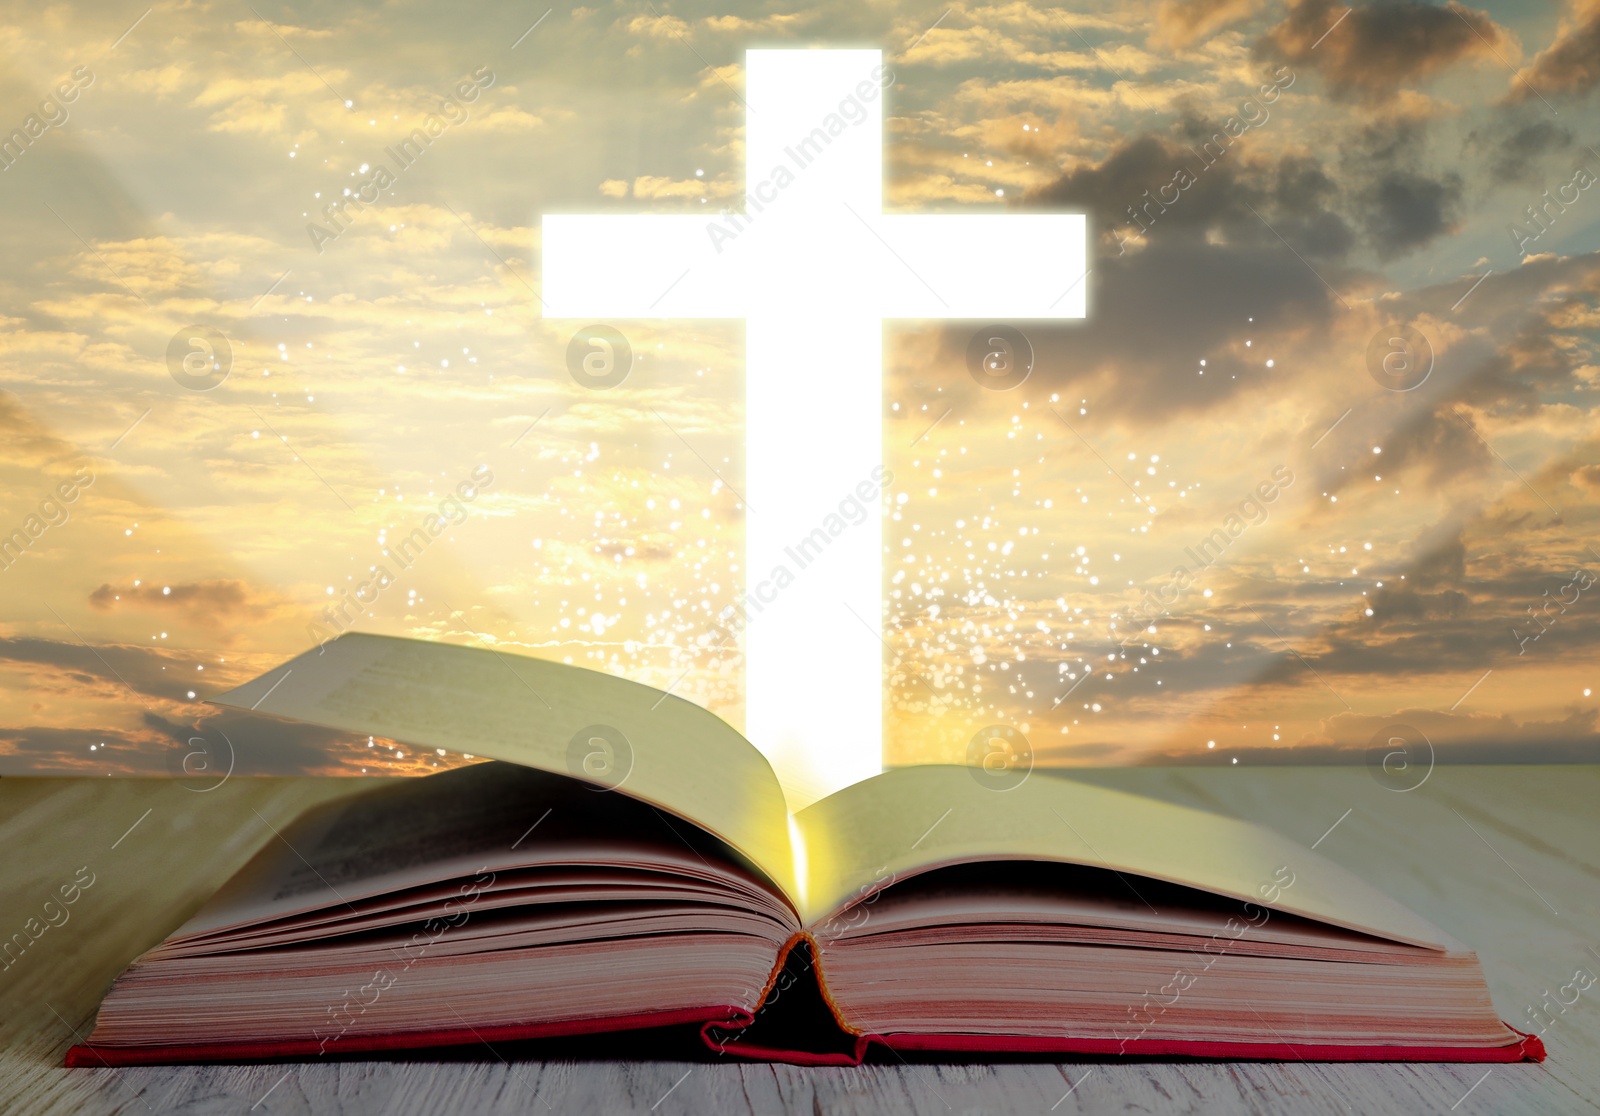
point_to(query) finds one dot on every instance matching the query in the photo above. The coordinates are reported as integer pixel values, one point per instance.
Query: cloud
(1181, 22)
(1443, 563)
(1587, 477)
(140, 671)
(1202, 296)
(657, 186)
(598, 506)
(51, 750)
(1408, 210)
(1401, 603)
(214, 746)
(1194, 182)
(740, 25)
(1401, 205)
(504, 119)
(1206, 265)
(1571, 63)
(259, 745)
(1522, 344)
(1455, 738)
(1474, 737)
(162, 82)
(217, 606)
(657, 26)
(1462, 629)
(29, 444)
(259, 106)
(1378, 49)
(1515, 148)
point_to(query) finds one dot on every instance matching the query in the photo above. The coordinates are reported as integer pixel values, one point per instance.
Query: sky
(1321, 461)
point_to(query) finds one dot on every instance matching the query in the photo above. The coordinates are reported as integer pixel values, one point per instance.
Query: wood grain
(1505, 858)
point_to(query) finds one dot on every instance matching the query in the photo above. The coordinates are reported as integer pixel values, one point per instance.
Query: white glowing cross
(814, 266)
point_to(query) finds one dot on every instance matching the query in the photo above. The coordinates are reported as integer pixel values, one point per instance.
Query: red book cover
(798, 1024)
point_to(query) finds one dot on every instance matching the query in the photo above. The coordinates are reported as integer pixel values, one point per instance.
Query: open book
(629, 863)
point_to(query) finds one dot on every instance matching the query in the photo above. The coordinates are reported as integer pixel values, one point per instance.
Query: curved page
(866, 836)
(670, 752)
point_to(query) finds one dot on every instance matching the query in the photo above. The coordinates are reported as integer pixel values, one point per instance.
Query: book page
(564, 719)
(1048, 902)
(508, 828)
(863, 838)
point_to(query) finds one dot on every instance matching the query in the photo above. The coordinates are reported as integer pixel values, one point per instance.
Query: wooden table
(1505, 858)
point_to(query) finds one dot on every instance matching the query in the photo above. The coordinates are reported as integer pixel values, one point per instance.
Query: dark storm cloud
(1570, 64)
(1303, 199)
(1186, 293)
(1183, 267)
(1124, 195)
(1111, 191)
(1408, 210)
(1158, 311)
(1378, 49)
(1399, 202)
(1515, 146)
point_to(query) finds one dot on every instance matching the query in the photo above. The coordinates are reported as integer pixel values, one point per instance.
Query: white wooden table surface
(1505, 858)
